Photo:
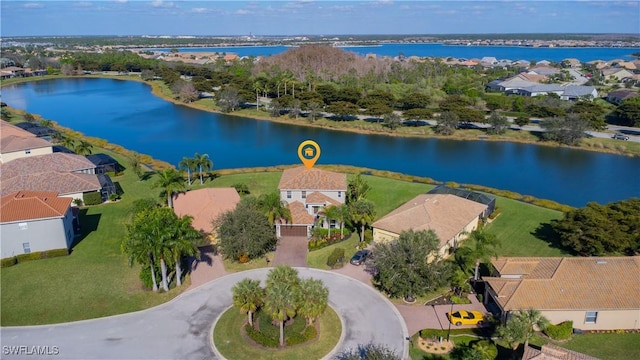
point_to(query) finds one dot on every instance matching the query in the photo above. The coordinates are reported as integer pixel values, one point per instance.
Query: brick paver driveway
(291, 250)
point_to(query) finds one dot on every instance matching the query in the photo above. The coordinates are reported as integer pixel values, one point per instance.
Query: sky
(314, 17)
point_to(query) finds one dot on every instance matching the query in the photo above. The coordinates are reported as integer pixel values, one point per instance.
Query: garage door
(293, 230)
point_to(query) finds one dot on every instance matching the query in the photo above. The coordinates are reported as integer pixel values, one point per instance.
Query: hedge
(260, 338)
(93, 198)
(561, 331)
(34, 256)
(336, 256)
(309, 333)
(9, 261)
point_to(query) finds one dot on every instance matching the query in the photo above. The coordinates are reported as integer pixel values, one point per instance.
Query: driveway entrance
(291, 250)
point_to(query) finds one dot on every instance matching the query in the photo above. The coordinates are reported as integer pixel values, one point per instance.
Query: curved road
(181, 328)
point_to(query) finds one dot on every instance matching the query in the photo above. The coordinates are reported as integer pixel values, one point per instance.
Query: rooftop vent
(600, 262)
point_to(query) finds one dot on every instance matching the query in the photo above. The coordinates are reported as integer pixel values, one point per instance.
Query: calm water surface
(126, 113)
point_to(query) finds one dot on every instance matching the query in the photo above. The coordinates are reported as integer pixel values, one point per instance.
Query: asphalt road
(182, 328)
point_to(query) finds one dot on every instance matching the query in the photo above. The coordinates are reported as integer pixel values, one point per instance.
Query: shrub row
(436, 333)
(326, 240)
(93, 198)
(260, 338)
(34, 256)
(561, 331)
(309, 333)
(336, 256)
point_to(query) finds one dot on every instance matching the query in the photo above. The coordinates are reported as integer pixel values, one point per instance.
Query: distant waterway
(126, 113)
(444, 51)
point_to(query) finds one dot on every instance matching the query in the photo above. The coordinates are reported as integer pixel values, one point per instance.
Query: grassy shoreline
(160, 90)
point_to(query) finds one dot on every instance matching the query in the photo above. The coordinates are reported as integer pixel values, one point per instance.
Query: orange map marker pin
(309, 152)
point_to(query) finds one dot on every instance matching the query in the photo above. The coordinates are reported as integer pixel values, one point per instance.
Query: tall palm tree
(342, 215)
(357, 189)
(163, 232)
(362, 213)
(330, 213)
(171, 183)
(204, 164)
(183, 243)
(272, 206)
(281, 302)
(139, 243)
(484, 246)
(532, 319)
(257, 86)
(188, 164)
(283, 274)
(248, 296)
(314, 299)
(83, 148)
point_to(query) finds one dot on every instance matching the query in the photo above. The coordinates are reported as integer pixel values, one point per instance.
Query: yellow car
(463, 317)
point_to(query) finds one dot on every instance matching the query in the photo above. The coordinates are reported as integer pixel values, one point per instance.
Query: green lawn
(229, 341)
(318, 258)
(606, 346)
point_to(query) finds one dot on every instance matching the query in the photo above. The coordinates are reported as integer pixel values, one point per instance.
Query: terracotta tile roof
(560, 283)
(320, 198)
(57, 161)
(30, 205)
(205, 205)
(62, 183)
(553, 352)
(299, 214)
(13, 143)
(7, 129)
(300, 178)
(445, 214)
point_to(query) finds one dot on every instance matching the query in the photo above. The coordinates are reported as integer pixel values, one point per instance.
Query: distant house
(17, 143)
(618, 96)
(576, 92)
(596, 293)
(617, 74)
(307, 192)
(553, 352)
(32, 221)
(205, 206)
(451, 217)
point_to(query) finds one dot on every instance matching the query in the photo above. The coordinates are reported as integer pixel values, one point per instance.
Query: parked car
(360, 257)
(620, 137)
(463, 317)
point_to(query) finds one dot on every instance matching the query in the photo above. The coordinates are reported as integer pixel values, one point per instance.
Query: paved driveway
(181, 328)
(292, 251)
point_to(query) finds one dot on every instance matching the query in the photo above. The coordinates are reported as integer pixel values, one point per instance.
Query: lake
(444, 51)
(126, 113)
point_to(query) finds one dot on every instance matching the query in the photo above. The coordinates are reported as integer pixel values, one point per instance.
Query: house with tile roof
(553, 352)
(205, 206)
(307, 192)
(17, 143)
(618, 96)
(596, 293)
(451, 217)
(617, 73)
(33, 221)
(66, 184)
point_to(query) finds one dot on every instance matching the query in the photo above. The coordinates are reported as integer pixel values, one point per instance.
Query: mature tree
(136, 164)
(447, 123)
(314, 109)
(229, 100)
(415, 100)
(248, 296)
(532, 319)
(29, 117)
(273, 207)
(314, 299)
(597, 230)
(479, 248)
(138, 245)
(295, 109)
(282, 295)
(183, 242)
(203, 163)
(343, 109)
(629, 112)
(283, 274)
(5, 115)
(357, 189)
(368, 352)
(499, 124)
(83, 147)
(331, 212)
(188, 164)
(361, 214)
(522, 120)
(392, 120)
(188, 92)
(410, 265)
(590, 112)
(245, 231)
(171, 182)
(417, 114)
(514, 332)
(567, 130)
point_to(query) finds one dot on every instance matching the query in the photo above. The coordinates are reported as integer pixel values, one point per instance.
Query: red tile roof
(553, 352)
(205, 205)
(301, 178)
(299, 214)
(320, 198)
(61, 162)
(445, 214)
(31, 205)
(62, 183)
(561, 283)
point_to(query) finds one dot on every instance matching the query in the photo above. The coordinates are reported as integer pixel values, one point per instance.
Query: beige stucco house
(596, 293)
(307, 192)
(451, 217)
(205, 206)
(17, 143)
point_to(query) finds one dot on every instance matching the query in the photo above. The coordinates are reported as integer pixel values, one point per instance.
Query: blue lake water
(126, 113)
(456, 51)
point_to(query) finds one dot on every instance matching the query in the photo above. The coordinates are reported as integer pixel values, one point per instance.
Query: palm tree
(139, 243)
(136, 164)
(188, 164)
(171, 183)
(357, 189)
(362, 213)
(314, 299)
(484, 246)
(183, 243)
(272, 206)
(283, 274)
(330, 213)
(248, 297)
(203, 163)
(281, 302)
(342, 215)
(513, 333)
(83, 148)
(257, 86)
(531, 318)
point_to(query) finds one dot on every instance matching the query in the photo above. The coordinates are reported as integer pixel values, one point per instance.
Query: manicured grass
(606, 346)
(318, 258)
(516, 228)
(258, 183)
(389, 194)
(228, 339)
(234, 266)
